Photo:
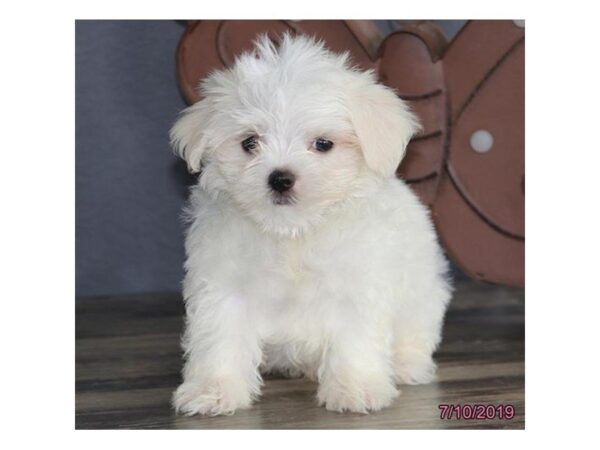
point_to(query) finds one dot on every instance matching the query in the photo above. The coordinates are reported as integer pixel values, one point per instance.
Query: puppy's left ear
(383, 124)
(188, 136)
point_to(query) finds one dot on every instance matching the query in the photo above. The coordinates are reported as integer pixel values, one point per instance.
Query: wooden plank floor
(128, 362)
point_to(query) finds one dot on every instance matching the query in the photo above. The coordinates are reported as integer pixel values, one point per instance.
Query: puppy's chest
(297, 261)
(300, 270)
(291, 268)
(306, 261)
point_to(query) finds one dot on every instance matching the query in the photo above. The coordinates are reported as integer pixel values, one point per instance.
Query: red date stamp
(476, 412)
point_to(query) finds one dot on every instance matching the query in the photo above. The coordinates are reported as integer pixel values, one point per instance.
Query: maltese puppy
(306, 256)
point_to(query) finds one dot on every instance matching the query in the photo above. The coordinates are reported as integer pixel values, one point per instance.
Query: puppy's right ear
(188, 137)
(383, 124)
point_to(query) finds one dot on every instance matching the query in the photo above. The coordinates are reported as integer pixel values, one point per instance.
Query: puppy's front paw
(219, 397)
(371, 394)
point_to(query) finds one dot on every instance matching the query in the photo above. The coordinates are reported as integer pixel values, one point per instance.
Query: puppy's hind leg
(417, 335)
(413, 361)
(279, 360)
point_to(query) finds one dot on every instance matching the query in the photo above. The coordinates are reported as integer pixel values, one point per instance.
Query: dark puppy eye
(249, 144)
(323, 145)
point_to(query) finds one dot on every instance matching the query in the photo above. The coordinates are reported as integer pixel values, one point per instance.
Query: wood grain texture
(128, 361)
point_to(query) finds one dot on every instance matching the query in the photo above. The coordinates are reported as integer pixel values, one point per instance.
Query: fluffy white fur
(345, 284)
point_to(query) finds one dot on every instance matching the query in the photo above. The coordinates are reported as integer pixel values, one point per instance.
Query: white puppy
(305, 254)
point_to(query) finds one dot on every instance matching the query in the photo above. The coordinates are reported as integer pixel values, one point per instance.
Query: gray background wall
(129, 187)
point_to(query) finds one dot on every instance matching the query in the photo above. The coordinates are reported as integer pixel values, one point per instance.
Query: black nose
(281, 180)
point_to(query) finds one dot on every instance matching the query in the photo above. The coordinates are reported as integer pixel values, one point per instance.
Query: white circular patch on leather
(482, 141)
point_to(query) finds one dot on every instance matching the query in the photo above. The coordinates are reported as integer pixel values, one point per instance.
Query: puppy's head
(288, 133)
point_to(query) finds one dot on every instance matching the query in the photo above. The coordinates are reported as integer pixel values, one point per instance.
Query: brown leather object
(474, 83)
(207, 45)
(480, 205)
(421, 82)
